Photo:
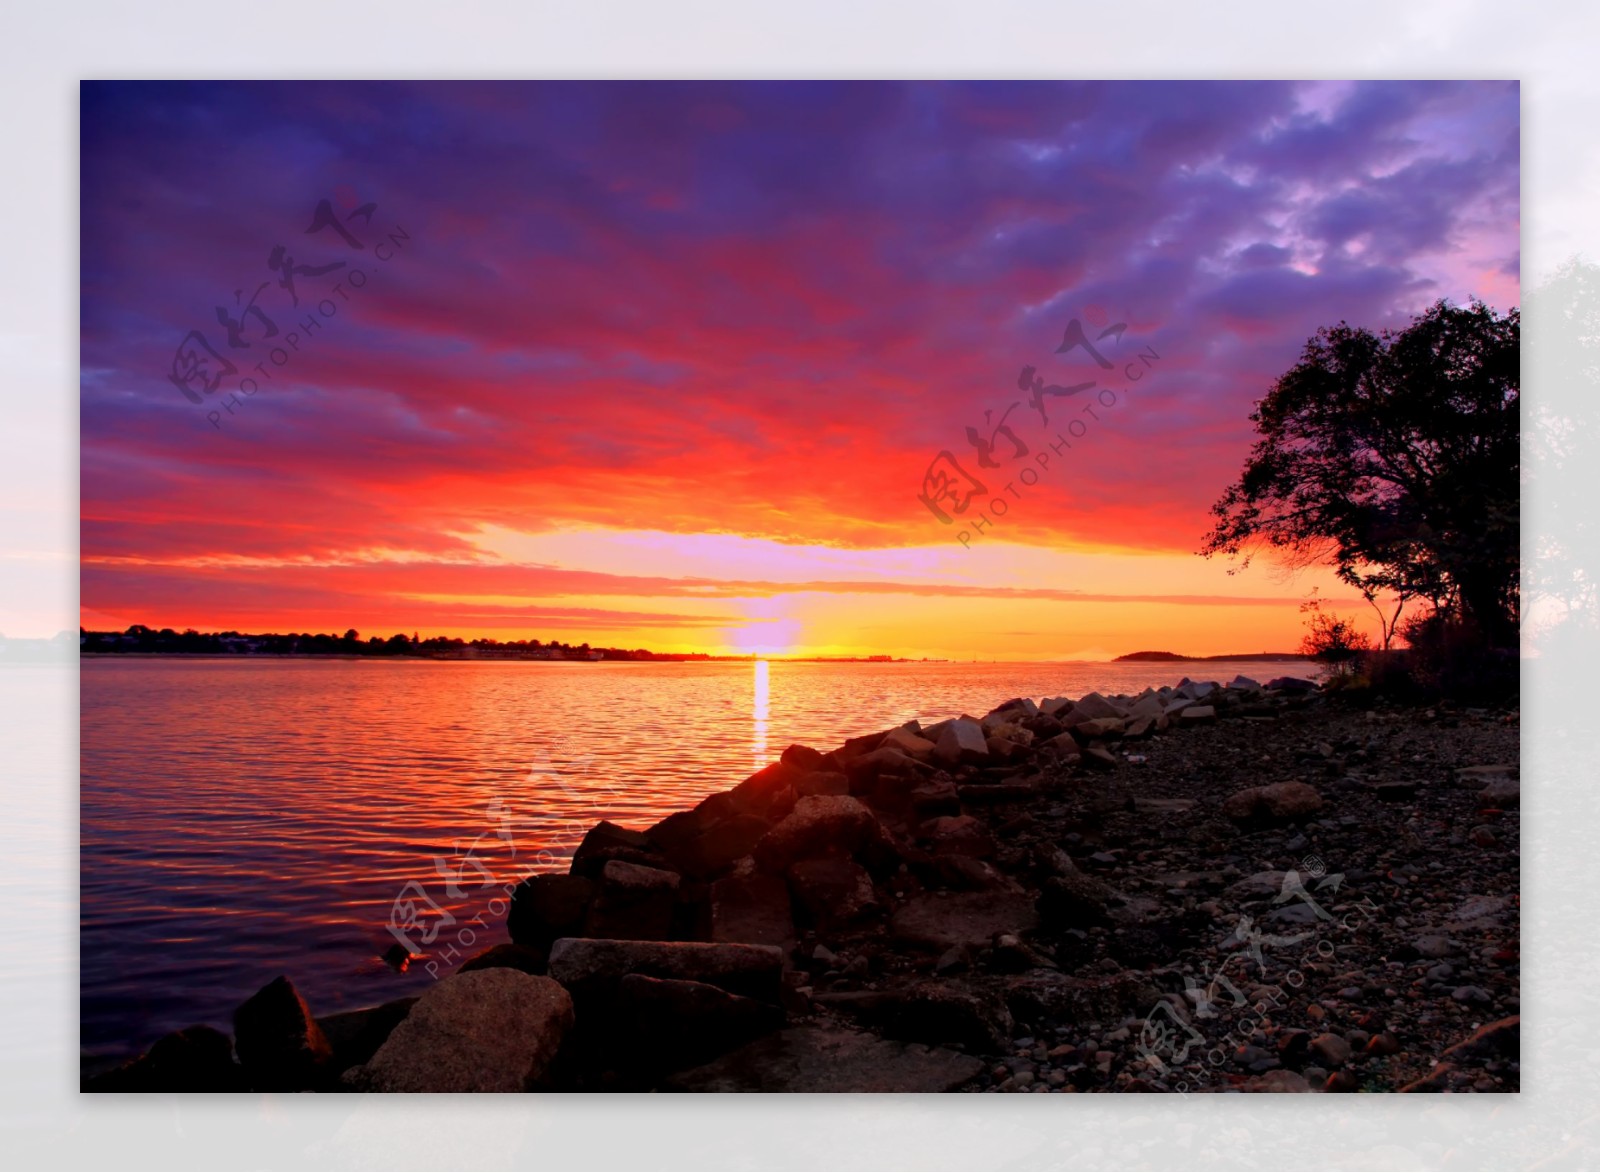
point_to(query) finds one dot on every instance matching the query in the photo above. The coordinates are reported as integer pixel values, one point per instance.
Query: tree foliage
(1331, 639)
(1394, 456)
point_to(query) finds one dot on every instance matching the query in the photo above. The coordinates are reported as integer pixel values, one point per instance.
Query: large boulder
(804, 758)
(820, 825)
(1291, 684)
(1138, 728)
(667, 1024)
(1149, 705)
(196, 1059)
(958, 835)
(606, 841)
(356, 1035)
(703, 848)
(833, 890)
(1279, 802)
(1063, 745)
(280, 1046)
(546, 907)
(1094, 706)
(752, 908)
(507, 955)
(934, 798)
(633, 903)
(962, 742)
(908, 742)
(1096, 728)
(1043, 727)
(868, 772)
(590, 967)
(769, 792)
(1016, 709)
(857, 746)
(495, 1030)
(822, 782)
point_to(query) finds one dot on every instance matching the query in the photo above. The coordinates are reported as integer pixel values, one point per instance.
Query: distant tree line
(147, 640)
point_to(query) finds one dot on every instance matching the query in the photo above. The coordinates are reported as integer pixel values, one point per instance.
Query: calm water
(245, 819)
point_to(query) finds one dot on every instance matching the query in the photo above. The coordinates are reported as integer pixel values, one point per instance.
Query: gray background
(44, 1123)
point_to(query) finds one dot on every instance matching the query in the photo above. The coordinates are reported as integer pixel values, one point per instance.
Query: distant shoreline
(1132, 658)
(1174, 658)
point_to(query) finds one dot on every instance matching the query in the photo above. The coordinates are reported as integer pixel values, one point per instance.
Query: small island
(1175, 658)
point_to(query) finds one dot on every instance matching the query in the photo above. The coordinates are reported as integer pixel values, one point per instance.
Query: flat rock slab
(830, 1059)
(965, 918)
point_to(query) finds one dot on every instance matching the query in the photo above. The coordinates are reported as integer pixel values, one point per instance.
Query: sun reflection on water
(758, 717)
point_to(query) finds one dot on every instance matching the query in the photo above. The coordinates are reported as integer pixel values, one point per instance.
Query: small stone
(1383, 1044)
(1331, 1049)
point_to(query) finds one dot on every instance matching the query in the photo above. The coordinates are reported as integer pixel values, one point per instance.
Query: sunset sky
(664, 364)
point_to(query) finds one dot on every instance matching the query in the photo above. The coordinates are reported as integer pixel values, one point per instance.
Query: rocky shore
(1201, 888)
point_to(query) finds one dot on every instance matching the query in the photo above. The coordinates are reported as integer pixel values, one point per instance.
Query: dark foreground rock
(593, 969)
(667, 1024)
(280, 1046)
(196, 1059)
(356, 1035)
(495, 1030)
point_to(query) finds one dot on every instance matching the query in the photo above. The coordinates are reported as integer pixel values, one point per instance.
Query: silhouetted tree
(1395, 457)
